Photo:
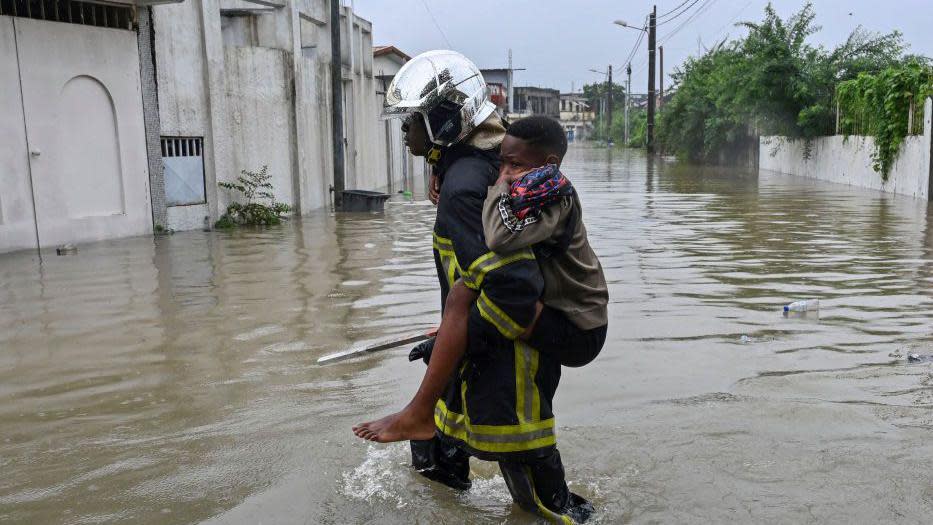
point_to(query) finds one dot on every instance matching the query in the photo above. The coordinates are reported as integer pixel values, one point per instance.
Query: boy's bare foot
(400, 426)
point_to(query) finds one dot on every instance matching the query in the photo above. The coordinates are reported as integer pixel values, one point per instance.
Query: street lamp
(650, 29)
(623, 23)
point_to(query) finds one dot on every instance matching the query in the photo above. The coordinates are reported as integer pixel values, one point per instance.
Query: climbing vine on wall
(880, 104)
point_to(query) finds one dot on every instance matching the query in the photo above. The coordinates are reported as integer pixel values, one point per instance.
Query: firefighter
(496, 405)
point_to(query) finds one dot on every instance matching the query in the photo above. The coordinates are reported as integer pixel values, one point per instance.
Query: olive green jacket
(573, 279)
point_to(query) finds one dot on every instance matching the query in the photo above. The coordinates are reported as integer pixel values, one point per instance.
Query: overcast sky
(559, 41)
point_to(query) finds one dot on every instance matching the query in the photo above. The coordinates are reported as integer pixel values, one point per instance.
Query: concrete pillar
(299, 91)
(150, 92)
(928, 140)
(218, 158)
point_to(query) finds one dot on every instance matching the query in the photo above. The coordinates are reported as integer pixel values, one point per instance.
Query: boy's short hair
(544, 133)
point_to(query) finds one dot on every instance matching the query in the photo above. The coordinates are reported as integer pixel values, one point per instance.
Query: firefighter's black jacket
(498, 406)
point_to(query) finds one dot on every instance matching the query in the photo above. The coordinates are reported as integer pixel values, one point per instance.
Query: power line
(634, 50)
(438, 26)
(732, 21)
(706, 5)
(703, 8)
(662, 15)
(678, 15)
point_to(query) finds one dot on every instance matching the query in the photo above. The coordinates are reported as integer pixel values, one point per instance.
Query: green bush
(879, 105)
(254, 186)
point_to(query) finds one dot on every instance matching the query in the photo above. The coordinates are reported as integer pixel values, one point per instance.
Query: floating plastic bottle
(808, 305)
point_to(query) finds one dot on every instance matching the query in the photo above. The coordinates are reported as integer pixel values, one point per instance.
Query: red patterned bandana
(537, 189)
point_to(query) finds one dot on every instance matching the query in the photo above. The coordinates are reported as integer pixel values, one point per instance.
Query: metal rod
(609, 107)
(336, 88)
(661, 79)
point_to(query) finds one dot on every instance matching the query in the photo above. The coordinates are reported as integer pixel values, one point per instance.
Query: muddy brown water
(174, 380)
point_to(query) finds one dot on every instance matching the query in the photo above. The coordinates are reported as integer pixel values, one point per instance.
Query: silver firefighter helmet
(446, 89)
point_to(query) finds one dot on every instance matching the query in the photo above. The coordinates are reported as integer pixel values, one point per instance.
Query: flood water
(174, 380)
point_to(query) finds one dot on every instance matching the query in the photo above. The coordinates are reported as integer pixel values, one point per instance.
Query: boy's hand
(510, 179)
(434, 189)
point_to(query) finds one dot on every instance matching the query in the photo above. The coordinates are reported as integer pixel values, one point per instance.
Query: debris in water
(67, 249)
(802, 306)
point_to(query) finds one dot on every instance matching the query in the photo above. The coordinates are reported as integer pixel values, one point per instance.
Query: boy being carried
(526, 207)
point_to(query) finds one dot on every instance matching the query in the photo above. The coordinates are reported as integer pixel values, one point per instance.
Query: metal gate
(76, 151)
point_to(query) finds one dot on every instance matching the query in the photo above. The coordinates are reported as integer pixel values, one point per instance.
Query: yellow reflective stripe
(469, 277)
(527, 397)
(532, 372)
(494, 438)
(443, 240)
(445, 249)
(490, 261)
(493, 314)
(546, 512)
(497, 430)
(520, 387)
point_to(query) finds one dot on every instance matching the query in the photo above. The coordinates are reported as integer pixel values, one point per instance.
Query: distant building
(638, 100)
(535, 101)
(499, 81)
(576, 116)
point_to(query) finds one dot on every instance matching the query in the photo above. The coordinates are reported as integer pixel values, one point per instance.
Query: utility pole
(609, 106)
(628, 100)
(652, 29)
(336, 89)
(509, 87)
(661, 80)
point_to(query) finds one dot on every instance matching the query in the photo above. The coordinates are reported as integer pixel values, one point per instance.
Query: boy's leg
(416, 420)
(555, 335)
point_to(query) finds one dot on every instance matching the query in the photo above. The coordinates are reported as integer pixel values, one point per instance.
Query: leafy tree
(595, 95)
(771, 82)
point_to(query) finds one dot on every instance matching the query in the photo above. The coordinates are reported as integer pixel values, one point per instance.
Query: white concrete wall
(17, 221)
(258, 88)
(191, 217)
(848, 161)
(268, 103)
(183, 96)
(313, 118)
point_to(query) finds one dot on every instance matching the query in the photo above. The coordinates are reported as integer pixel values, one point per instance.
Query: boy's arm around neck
(501, 239)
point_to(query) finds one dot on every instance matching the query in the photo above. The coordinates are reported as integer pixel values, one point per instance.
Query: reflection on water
(175, 380)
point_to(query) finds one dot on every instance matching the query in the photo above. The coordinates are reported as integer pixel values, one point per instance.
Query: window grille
(72, 12)
(183, 163)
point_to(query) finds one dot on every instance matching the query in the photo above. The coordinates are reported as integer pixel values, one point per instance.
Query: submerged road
(174, 380)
